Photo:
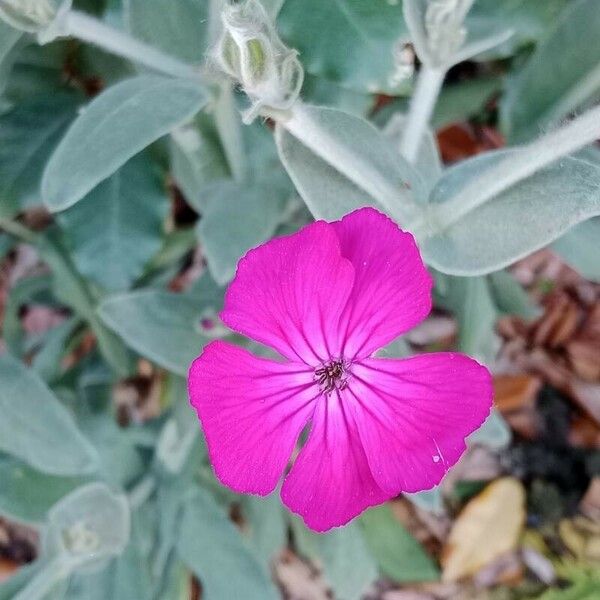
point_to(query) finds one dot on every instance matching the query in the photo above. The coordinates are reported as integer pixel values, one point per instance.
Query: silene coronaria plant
(327, 299)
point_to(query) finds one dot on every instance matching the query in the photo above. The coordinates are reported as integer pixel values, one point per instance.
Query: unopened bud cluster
(251, 52)
(35, 16)
(444, 26)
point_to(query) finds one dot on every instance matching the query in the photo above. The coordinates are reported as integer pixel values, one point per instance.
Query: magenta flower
(326, 299)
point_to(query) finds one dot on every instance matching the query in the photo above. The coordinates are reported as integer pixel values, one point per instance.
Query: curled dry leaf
(488, 527)
(515, 397)
(582, 537)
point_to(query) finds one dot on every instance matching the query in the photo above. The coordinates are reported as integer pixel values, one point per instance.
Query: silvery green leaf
(476, 46)
(227, 569)
(267, 524)
(26, 494)
(399, 555)
(19, 580)
(47, 361)
(37, 428)
(9, 38)
(238, 217)
(494, 433)
(87, 527)
(510, 297)
(127, 577)
(462, 100)
(347, 41)
(428, 162)
(117, 228)
(162, 326)
(580, 248)
(35, 16)
(114, 127)
(348, 565)
(471, 301)
(323, 92)
(120, 461)
(429, 500)
(529, 19)
(70, 288)
(29, 133)
(562, 75)
(340, 162)
(197, 159)
(501, 231)
(179, 28)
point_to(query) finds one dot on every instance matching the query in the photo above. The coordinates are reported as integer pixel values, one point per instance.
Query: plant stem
(429, 84)
(229, 128)
(44, 580)
(93, 31)
(518, 166)
(142, 491)
(344, 158)
(19, 231)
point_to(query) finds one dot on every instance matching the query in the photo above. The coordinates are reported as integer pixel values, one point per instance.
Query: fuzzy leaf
(115, 126)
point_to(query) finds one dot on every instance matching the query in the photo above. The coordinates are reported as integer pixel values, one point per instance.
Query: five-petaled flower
(326, 299)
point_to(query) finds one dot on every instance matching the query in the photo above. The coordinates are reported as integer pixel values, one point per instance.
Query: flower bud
(35, 16)
(251, 52)
(444, 26)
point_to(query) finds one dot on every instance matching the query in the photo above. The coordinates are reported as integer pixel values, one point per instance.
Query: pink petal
(252, 411)
(392, 288)
(413, 415)
(331, 481)
(289, 293)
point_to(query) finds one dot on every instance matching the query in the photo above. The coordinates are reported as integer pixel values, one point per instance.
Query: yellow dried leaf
(488, 527)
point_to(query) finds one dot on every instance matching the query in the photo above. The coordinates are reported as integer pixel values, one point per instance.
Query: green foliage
(36, 428)
(203, 523)
(535, 101)
(399, 556)
(124, 218)
(116, 125)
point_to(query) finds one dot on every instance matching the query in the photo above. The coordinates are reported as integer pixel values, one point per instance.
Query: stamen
(332, 375)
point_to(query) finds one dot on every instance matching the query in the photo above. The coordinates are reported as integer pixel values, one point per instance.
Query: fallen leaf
(584, 355)
(7, 568)
(590, 503)
(515, 392)
(488, 527)
(584, 433)
(505, 570)
(298, 580)
(582, 537)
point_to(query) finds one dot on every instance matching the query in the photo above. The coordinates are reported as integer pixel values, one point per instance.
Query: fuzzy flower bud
(41, 17)
(444, 25)
(251, 52)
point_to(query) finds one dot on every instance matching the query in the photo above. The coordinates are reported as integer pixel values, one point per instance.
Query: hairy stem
(429, 84)
(347, 161)
(229, 128)
(19, 231)
(93, 31)
(529, 160)
(44, 581)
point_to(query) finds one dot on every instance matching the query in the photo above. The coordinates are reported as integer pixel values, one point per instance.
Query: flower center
(332, 375)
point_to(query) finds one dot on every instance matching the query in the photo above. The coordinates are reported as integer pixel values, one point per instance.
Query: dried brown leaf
(488, 527)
